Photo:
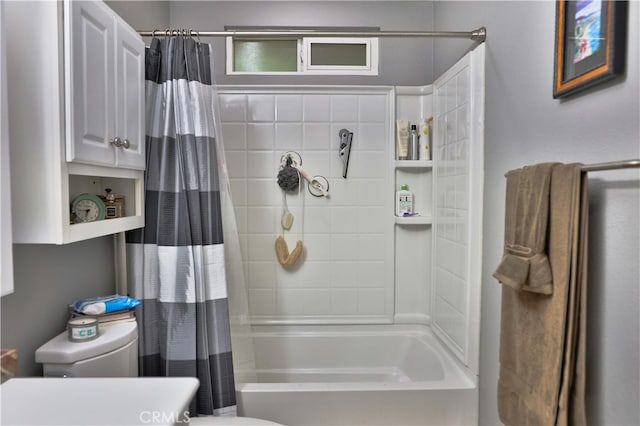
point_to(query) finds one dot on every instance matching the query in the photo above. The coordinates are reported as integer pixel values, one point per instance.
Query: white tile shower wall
(451, 206)
(346, 271)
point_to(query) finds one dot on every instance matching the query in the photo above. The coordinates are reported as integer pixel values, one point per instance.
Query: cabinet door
(6, 248)
(90, 82)
(130, 96)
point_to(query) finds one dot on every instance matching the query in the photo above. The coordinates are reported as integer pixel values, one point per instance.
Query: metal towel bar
(611, 165)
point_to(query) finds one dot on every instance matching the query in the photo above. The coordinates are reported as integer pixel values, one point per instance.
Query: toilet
(230, 421)
(113, 354)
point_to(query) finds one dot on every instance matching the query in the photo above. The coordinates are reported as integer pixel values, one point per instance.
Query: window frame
(304, 47)
(370, 68)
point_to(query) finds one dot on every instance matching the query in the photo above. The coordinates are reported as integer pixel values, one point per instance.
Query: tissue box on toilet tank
(9, 363)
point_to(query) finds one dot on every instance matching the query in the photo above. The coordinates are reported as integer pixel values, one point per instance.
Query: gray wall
(142, 15)
(47, 278)
(525, 125)
(403, 61)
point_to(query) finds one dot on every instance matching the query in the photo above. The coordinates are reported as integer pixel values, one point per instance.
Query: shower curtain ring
(153, 33)
(167, 32)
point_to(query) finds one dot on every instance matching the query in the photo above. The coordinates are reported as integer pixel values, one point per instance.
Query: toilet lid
(60, 350)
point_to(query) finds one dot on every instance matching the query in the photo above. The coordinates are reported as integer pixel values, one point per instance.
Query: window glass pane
(265, 55)
(339, 54)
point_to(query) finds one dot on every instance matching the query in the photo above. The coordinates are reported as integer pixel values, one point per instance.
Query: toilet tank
(113, 354)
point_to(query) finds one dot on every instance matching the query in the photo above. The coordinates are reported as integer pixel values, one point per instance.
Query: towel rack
(611, 165)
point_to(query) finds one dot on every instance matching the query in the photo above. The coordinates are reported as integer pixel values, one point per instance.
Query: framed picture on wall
(590, 43)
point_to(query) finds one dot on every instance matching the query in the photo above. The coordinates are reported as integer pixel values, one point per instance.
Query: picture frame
(590, 44)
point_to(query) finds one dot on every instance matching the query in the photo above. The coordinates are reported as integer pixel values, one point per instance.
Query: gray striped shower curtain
(176, 263)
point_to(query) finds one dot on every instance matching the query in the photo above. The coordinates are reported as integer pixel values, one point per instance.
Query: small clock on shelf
(87, 208)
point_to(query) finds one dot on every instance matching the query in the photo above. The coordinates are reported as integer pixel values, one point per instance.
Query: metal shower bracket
(318, 186)
(345, 149)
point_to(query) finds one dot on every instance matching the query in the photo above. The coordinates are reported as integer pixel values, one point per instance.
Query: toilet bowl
(113, 354)
(230, 421)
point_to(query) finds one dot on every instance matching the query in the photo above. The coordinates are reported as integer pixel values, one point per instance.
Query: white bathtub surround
(345, 273)
(358, 266)
(381, 375)
(353, 334)
(458, 205)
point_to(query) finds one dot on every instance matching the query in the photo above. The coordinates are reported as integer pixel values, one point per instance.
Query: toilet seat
(230, 421)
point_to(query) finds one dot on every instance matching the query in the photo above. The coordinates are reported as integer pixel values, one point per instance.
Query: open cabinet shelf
(94, 180)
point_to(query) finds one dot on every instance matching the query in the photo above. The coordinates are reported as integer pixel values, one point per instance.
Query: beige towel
(525, 265)
(542, 342)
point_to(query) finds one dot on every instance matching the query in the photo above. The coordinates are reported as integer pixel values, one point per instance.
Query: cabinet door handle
(117, 142)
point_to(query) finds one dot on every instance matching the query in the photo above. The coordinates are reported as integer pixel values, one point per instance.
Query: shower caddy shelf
(414, 103)
(420, 166)
(414, 220)
(413, 164)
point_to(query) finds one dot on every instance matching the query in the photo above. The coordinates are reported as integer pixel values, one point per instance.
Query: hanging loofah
(288, 178)
(285, 258)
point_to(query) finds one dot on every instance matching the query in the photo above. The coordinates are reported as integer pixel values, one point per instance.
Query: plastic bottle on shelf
(402, 139)
(414, 144)
(426, 127)
(404, 201)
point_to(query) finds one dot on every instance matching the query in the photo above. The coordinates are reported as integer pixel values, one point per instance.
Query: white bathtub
(369, 375)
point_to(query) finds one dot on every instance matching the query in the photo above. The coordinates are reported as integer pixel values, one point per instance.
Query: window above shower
(300, 55)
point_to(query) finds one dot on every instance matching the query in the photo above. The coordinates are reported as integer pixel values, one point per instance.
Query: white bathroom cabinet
(64, 110)
(104, 84)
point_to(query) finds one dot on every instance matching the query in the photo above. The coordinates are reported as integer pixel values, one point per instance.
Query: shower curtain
(176, 263)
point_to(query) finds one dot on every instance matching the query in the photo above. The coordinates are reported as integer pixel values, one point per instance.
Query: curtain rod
(612, 165)
(479, 35)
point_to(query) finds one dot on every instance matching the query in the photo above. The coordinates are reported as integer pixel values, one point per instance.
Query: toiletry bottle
(402, 139)
(426, 135)
(414, 146)
(404, 201)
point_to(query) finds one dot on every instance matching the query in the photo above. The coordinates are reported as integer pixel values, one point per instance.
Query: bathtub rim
(457, 376)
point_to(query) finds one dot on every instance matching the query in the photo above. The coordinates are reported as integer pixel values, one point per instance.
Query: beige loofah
(282, 252)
